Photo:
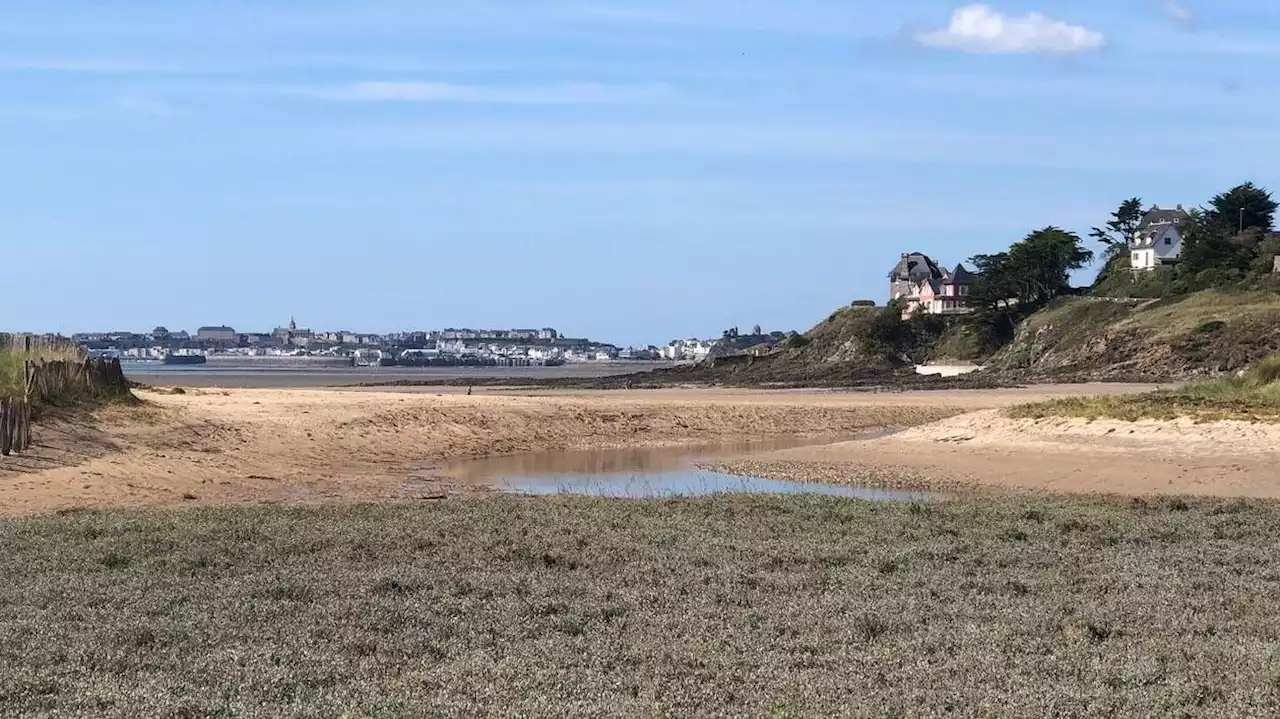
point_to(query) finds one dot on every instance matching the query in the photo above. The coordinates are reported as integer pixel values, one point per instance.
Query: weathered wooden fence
(53, 383)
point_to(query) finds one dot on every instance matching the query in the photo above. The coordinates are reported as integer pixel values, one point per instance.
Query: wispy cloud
(145, 105)
(1216, 43)
(81, 65)
(1177, 11)
(978, 28)
(574, 93)
(806, 17)
(1092, 149)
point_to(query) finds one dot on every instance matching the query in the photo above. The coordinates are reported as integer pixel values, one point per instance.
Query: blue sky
(630, 170)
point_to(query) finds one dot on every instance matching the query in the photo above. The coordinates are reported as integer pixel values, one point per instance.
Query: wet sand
(230, 375)
(251, 445)
(318, 445)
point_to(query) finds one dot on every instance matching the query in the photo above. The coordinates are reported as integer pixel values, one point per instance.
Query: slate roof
(961, 276)
(916, 267)
(1157, 216)
(1147, 237)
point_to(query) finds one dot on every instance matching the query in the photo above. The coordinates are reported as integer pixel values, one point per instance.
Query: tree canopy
(1241, 208)
(1033, 271)
(1123, 226)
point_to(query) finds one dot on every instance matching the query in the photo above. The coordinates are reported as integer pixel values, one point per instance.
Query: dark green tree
(1033, 271)
(1241, 208)
(1122, 227)
(994, 288)
(1211, 244)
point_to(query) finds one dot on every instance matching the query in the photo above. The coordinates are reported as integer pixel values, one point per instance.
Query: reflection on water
(685, 483)
(650, 472)
(612, 461)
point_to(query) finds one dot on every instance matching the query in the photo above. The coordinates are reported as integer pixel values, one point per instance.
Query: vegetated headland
(1208, 304)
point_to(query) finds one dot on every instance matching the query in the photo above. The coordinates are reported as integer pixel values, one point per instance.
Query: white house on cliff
(1158, 241)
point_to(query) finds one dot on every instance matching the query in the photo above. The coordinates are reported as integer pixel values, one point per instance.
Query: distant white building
(689, 349)
(1158, 241)
(544, 353)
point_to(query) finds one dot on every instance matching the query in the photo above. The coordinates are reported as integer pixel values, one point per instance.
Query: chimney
(1179, 207)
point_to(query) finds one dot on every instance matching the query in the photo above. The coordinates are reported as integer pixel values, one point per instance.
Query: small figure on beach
(468, 390)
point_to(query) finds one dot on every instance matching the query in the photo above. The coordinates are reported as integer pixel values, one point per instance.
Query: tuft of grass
(1098, 607)
(1253, 395)
(116, 560)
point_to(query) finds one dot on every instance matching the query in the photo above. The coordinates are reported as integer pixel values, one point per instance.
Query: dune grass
(1251, 396)
(726, 606)
(14, 357)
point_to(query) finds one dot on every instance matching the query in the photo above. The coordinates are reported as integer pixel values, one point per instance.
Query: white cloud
(581, 93)
(978, 28)
(1177, 11)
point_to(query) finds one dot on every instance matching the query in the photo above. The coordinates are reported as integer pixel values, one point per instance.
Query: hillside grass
(1212, 330)
(833, 335)
(1251, 396)
(1167, 317)
(795, 606)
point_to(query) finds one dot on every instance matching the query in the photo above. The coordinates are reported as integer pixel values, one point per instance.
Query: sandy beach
(282, 445)
(308, 446)
(985, 450)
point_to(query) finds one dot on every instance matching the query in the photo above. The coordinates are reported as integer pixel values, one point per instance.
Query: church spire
(293, 326)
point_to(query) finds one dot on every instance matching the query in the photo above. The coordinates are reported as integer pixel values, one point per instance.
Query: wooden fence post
(24, 427)
(29, 371)
(5, 444)
(54, 381)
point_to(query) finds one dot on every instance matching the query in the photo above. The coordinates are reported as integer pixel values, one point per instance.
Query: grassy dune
(1251, 396)
(13, 363)
(12, 372)
(729, 606)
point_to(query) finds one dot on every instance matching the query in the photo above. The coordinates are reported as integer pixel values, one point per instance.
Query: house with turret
(929, 288)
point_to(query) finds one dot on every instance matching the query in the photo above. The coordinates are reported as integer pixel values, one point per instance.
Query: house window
(1168, 240)
(1136, 257)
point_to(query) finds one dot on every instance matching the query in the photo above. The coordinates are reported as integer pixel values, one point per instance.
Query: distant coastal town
(445, 347)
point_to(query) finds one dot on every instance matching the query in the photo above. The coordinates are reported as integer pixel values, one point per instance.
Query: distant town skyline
(634, 170)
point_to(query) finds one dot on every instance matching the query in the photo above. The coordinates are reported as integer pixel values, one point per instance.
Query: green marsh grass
(796, 606)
